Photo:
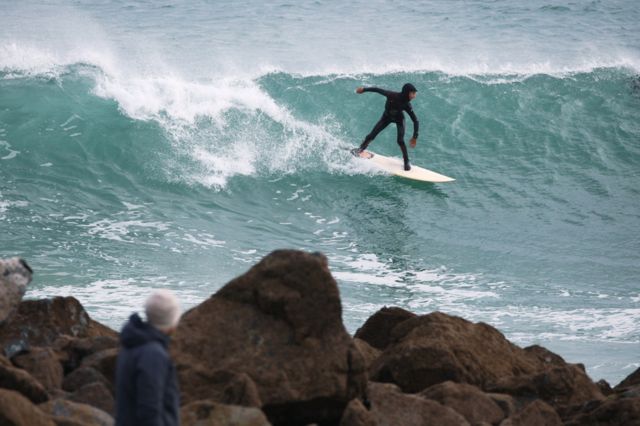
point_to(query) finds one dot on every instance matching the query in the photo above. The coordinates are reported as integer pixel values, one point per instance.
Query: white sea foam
(111, 301)
(5, 205)
(370, 269)
(316, 39)
(186, 108)
(124, 231)
(204, 239)
(125, 79)
(477, 298)
(6, 153)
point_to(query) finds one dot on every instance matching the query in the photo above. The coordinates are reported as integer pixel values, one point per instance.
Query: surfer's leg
(403, 147)
(380, 126)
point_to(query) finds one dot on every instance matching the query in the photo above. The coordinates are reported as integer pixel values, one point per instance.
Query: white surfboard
(396, 166)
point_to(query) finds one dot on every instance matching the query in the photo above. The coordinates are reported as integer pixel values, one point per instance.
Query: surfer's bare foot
(407, 166)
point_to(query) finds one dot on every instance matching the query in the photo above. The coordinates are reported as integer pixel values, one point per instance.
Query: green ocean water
(122, 171)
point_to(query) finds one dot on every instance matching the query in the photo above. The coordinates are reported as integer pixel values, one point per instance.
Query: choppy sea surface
(174, 144)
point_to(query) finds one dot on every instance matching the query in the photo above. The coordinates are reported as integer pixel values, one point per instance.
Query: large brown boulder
(430, 349)
(545, 356)
(41, 322)
(537, 413)
(105, 362)
(434, 348)
(561, 386)
(209, 413)
(390, 407)
(16, 410)
(19, 380)
(356, 414)
(632, 380)
(84, 376)
(468, 400)
(15, 275)
(508, 404)
(613, 412)
(43, 364)
(72, 351)
(68, 412)
(377, 330)
(97, 395)
(369, 353)
(280, 324)
(222, 386)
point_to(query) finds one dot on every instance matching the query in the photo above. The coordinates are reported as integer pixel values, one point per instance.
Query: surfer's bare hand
(360, 90)
(413, 142)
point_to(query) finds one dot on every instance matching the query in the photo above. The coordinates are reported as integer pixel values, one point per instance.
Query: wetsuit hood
(408, 88)
(137, 332)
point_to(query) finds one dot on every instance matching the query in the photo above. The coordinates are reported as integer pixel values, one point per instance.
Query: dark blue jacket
(146, 384)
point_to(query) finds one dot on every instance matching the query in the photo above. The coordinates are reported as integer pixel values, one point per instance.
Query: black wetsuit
(397, 102)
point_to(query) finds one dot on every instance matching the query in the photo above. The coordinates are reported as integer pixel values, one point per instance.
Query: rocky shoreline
(270, 348)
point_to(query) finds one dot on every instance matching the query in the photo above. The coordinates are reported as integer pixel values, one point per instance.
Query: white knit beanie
(162, 309)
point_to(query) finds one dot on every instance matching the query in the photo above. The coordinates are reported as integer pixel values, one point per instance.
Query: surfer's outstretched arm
(383, 92)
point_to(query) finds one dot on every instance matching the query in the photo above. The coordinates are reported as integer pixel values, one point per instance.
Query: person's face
(412, 95)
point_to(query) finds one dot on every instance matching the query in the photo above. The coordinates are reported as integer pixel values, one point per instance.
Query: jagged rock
(468, 400)
(72, 350)
(632, 392)
(545, 356)
(376, 331)
(225, 387)
(369, 353)
(43, 364)
(84, 376)
(604, 387)
(105, 362)
(19, 380)
(41, 322)
(16, 410)
(71, 413)
(240, 390)
(631, 380)
(389, 406)
(507, 403)
(613, 412)
(356, 414)
(538, 413)
(281, 325)
(559, 386)
(209, 413)
(97, 395)
(15, 275)
(434, 348)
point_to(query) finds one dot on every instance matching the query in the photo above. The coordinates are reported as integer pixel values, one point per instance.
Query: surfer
(393, 113)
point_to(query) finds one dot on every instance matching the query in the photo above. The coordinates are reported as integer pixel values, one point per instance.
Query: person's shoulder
(154, 349)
